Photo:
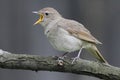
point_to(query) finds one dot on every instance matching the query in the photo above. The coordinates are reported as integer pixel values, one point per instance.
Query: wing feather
(78, 30)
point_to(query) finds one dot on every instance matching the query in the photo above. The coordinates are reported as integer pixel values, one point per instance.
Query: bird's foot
(75, 59)
(61, 60)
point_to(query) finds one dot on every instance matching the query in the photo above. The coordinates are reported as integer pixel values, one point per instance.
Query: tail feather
(97, 54)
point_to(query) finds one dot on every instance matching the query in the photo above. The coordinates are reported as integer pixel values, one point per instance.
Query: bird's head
(46, 16)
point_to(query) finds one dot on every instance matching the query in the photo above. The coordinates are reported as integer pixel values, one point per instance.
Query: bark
(39, 63)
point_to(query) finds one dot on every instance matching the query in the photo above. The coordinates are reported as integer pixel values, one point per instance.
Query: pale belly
(64, 42)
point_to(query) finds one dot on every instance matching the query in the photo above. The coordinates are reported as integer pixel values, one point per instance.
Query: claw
(60, 61)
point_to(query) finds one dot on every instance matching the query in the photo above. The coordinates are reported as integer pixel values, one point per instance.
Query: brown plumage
(67, 35)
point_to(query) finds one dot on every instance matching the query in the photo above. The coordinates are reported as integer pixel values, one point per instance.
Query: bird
(67, 35)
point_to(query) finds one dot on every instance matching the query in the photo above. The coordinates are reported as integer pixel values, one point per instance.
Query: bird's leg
(78, 56)
(60, 59)
(63, 56)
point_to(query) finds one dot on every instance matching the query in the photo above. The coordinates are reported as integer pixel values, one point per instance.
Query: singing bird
(67, 35)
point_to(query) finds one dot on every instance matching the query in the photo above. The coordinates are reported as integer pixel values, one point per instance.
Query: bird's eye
(46, 14)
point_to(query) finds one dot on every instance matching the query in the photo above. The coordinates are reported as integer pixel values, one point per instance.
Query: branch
(38, 63)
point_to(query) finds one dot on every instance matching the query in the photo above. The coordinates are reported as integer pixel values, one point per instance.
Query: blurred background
(18, 35)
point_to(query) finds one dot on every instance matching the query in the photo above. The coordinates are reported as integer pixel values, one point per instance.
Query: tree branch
(38, 63)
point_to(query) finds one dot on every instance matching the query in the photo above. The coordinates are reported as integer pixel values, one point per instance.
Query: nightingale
(67, 35)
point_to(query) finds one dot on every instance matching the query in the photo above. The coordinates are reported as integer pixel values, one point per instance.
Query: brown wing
(78, 30)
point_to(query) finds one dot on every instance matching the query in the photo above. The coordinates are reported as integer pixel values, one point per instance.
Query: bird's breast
(62, 40)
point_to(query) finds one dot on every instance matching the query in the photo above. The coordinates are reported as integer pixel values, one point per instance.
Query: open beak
(40, 18)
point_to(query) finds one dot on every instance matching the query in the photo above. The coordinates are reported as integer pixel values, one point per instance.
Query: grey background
(17, 34)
